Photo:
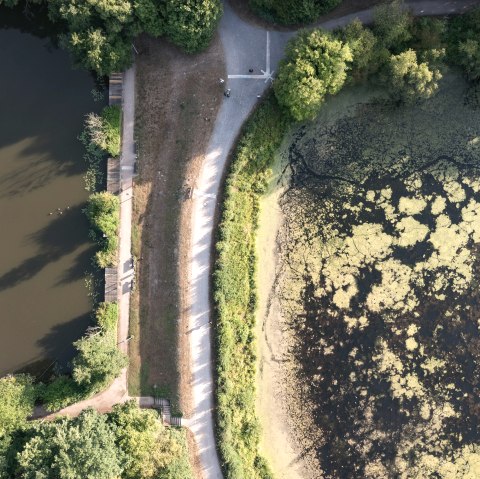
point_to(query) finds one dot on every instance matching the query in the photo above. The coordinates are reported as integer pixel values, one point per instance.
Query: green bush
(111, 122)
(410, 80)
(235, 293)
(17, 400)
(106, 316)
(98, 361)
(191, 24)
(392, 25)
(103, 212)
(315, 66)
(60, 393)
(463, 43)
(292, 11)
(364, 48)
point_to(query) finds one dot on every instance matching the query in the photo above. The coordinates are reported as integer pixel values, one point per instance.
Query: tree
(17, 399)
(411, 81)
(391, 23)
(315, 66)
(363, 46)
(191, 24)
(469, 58)
(146, 443)
(98, 361)
(83, 447)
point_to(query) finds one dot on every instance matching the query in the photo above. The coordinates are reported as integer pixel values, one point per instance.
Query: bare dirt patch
(177, 98)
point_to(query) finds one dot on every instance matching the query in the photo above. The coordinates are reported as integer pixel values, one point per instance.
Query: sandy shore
(276, 444)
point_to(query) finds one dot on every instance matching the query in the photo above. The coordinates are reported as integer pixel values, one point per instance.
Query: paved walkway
(246, 47)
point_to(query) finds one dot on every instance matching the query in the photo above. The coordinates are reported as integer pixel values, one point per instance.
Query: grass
(235, 294)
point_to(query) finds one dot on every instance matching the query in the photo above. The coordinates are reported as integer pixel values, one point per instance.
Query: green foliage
(364, 49)
(149, 17)
(292, 11)
(103, 132)
(111, 121)
(60, 393)
(391, 24)
(103, 212)
(106, 316)
(315, 65)
(410, 80)
(82, 447)
(17, 399)
(463, 47)
(428, 33)
(149, 448)
(235, 293)
(191, 23)
(469, 58)
(98, 362)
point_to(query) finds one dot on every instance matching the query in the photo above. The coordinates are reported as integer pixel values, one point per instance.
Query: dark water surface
(44, 305)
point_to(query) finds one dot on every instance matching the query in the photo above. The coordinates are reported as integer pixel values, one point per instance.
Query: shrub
(235, 293)
(17, 399)
(364, 49)
(411, 81)
(192, 23)
(292, 11)
(111, 121)
(315, 65)
(60, 393)
(98, 362)
(392, 23)
(106, 316)
(103, 212)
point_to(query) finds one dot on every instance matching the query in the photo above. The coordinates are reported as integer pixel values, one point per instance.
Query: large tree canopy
(315, 66)
(83, 447)
(99, 34)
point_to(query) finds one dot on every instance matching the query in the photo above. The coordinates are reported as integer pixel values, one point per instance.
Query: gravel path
(245, 48)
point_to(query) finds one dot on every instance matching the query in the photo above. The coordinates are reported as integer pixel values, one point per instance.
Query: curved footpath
(246, 47)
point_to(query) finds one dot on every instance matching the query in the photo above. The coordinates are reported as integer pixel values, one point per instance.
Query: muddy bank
(377, 260)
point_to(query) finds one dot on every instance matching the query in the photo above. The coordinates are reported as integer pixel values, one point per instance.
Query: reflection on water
(45, 251)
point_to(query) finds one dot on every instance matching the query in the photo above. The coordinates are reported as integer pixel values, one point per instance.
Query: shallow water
(44, 240)
(380, 250)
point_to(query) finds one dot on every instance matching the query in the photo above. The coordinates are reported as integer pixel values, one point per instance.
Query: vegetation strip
(235, 293)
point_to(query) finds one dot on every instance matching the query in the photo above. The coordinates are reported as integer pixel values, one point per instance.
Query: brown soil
(177, 99)
(345, 8)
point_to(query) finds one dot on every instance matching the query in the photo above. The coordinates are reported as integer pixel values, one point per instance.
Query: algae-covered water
(380, 285)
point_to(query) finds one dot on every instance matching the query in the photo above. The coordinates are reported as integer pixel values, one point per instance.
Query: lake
(45, 250)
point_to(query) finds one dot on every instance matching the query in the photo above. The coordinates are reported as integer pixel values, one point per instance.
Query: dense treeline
(100, 34)
(128, 443)
(398, 52)
(292, 11)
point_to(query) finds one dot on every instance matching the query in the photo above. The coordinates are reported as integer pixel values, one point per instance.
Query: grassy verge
(235, 293)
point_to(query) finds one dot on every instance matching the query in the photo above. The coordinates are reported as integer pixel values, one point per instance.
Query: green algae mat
(380, 285)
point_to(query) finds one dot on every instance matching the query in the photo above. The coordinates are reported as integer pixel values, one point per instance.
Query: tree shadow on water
(62, 236)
